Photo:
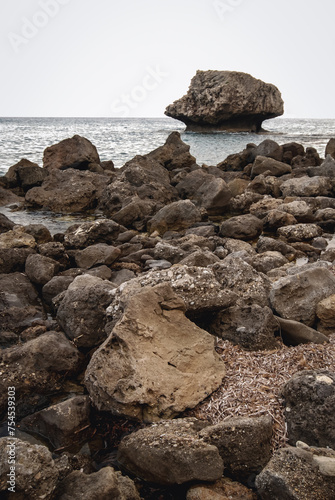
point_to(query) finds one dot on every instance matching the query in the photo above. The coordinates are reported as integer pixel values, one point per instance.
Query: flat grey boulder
(156, 363)
(227, 100)
(171, 452)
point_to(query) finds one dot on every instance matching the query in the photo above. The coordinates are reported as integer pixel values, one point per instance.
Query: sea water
(120, 139)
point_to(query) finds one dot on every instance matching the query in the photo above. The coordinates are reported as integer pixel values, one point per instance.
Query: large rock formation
(226, 100)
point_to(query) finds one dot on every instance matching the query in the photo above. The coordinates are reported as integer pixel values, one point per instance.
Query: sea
(120, 139)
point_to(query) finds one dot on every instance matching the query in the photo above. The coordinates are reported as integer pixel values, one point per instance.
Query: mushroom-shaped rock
(227, 100)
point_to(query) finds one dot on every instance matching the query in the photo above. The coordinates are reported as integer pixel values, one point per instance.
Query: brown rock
(76, 152)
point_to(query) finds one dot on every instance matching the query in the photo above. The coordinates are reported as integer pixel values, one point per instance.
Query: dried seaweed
(253, 382)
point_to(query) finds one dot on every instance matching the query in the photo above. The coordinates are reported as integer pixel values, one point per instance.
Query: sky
(118, 58)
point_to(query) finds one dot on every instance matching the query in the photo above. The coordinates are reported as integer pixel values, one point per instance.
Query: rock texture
(77, 152)
(156, 363)
(226, 100)
(171, 452)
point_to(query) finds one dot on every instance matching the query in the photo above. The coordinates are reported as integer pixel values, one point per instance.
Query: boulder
(325, 312)
(54, 287)
(14, 259)
(90, 233)
(326, 169)
(39, 232)
(306, 186)
(253, 327)
(263, 164)
(56, 251)
(237, 161)
(296, 297)
(20, 306)
(242, 227)
(149, 367)
(300, 232)
(174, 154)
(244, 444)
(82, 312)
(25, 174)
(77, 152)
(170, 452)
(265, 244)
(40, 269)
(310, 408)
(226, 100)
(174, 217)
(266, 261)
(62, 423)
(35, 472)
(267, 148)
(276, 219)
(310, 158)
(299, 209)
(94, 255)
(330, 148)
(67, 191)
(199, 258)
(295, 333)
(5, 224)
(224, 489)
(102, 485)
(9, 198)
(17, 238)
(297, 474)
(36, 368)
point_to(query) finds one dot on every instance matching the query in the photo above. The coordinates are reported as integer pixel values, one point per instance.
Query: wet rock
(90, 233)
(36, 473)
(17, 238)
(241, 102)
(97, 254)
(40, 269)
(9, 198)
(244, 227)
(306, 186)
(244, 443)
(36, 368)
(62, 423)
(82, 312)
(14, 259)
(268, 260)
(67, 191)
(253, 327)
(174, 154)
(39, 232)
(102, 485)
(295, 333)
(310, 403)
(5, 224)
(20, 306)
(170, 453)
(296, 297)
(330, 148)
(294, 474)
(224, 489)
(174, 217)
(300, 232)
(263, 164)
(146, 369)
(77, 152)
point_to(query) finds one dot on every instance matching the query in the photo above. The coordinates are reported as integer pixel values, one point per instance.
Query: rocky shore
(180, 345)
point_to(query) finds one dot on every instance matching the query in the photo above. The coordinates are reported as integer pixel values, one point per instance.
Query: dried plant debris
(253, 382)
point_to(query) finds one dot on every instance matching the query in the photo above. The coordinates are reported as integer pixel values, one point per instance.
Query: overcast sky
(134, 57)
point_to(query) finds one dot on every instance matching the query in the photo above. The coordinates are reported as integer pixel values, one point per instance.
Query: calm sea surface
(122, 139)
